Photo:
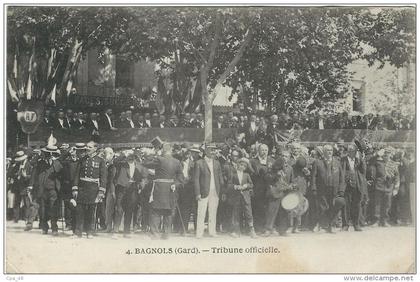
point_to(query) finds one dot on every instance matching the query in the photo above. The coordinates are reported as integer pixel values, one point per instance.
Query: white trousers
(211, 203)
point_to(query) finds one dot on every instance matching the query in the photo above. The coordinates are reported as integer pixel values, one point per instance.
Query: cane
(180, 217)
(95, 219)
(62, 215)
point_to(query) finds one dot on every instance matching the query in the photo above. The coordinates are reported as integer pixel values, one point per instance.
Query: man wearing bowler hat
(88, 188)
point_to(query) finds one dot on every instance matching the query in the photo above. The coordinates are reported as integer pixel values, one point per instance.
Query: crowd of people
(235, 188)
(108, 120)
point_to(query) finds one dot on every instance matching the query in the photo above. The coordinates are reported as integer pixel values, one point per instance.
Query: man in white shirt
(147, 120)
(107, 123)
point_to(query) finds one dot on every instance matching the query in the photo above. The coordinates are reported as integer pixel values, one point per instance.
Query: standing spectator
(131, 179)
(260, 168)
(21, 173)
(239, 191)
(328, 184)
(354, 171)
(251, 131)
(47, 176)
(386, 179)
(208, 185)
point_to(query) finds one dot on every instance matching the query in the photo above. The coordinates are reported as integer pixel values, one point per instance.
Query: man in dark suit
(208, 185)
(128, 122)
(60, 122)
(163, 197)
(251, 131)
(79, 122)
(329, 186)
(92, 123)
(106, 123)
(131, 179)
(260, 168)
(354, 171)
(239, 190)
(47, 175)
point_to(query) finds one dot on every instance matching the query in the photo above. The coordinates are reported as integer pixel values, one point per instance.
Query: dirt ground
(378, 250)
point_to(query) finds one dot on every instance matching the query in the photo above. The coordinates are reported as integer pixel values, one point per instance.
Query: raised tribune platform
(143, 136)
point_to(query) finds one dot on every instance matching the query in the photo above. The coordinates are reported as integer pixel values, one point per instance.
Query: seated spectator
(80, 122)
(155, 120)
(128, 122)
(185, 121)
(106, 122)
(92, 123)
(219, 122)
(147, 120)
(60, 122)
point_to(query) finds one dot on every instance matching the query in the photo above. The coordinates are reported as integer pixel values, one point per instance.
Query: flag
(12, 92)
(15, 68)
(69, 86)
(29, 84)
(161, 90)
(53, 94)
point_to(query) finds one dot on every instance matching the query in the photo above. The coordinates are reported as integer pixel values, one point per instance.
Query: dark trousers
(109, 211)
(240, 207)
(49, 210)
(370, 210)
(276, 215)
(382, 205)
(85, 214)
(311, 218)
(155, 220)
(351, 211)
(400, 206)
(186, 208)
(100, 214)
(258, 211)
(126, 201)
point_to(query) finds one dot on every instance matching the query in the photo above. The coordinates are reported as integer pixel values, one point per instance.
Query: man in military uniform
(163, 197)
(88, 188)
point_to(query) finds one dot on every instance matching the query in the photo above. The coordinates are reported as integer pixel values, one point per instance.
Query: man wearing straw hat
(21, 173)
(47, 174)
(208, 185)
(88, 188)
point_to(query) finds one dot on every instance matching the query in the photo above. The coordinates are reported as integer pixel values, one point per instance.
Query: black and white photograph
(210, 139)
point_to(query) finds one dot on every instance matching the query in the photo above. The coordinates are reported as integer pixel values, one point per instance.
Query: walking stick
(62, 215)
(95, 219)
(180, 217)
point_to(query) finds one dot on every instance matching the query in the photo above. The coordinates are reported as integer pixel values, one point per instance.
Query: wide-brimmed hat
(20, 156)
(195, 148)
(50, 149)
(243, 160)
(64, 146)
(210, 146)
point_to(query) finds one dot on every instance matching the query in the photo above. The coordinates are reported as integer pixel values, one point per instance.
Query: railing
(143, 136)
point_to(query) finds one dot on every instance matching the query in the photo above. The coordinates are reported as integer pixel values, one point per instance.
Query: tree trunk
(208, 116)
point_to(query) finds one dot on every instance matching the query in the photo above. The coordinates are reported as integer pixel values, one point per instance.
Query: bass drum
(291, 201)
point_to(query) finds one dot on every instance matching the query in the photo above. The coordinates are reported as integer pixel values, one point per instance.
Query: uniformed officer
(168, 176)
(88, 188)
